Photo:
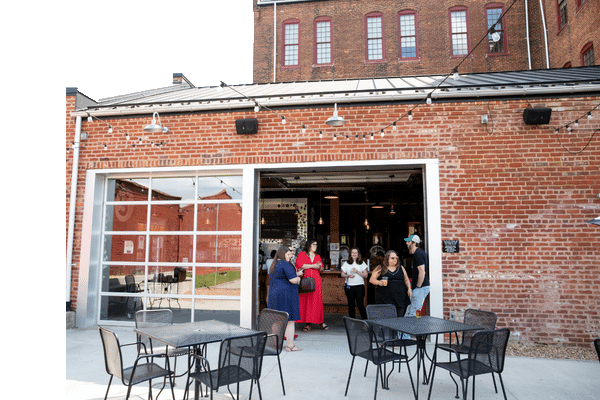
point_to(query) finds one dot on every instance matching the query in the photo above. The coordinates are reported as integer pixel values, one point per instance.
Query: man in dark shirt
(420, 275)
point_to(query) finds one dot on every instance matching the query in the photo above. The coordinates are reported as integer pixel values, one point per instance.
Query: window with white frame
(408, 35)
(459, 31)
(374, 37)
(171, 242)
(291, 43)
(323, 40)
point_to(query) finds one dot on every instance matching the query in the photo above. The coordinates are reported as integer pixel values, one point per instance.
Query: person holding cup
(393, 285)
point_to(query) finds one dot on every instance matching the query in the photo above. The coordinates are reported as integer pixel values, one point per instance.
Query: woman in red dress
(311, 304)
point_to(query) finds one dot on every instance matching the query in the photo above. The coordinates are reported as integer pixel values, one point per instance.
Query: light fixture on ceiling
(154, 127)
(377, 205)
(335, 120)
(332, 196)
(262, 206)
(392, 211)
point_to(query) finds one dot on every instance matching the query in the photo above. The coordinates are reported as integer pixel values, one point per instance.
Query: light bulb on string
(283, 121)
(394, 126)
(410, 116)
(382, 133)
(303, 128)
(428, 99)
(334, 136)
(90, 119)
(127, 136)
(320, 134)
(256, 107)
(110, 129)
(589, 115)
(455, 75)
(576, 124)
(372, 136)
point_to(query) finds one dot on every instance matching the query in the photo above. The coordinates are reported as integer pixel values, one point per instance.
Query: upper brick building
(341, 39)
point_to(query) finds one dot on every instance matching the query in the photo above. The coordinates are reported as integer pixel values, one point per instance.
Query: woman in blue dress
(283, 291)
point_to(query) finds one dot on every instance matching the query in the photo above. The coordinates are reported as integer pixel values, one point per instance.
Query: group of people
(306, 308)
(390, 277)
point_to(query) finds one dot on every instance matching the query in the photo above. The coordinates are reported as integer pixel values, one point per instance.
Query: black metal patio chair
(363, 343)
(485, 319)
(274, 322)
(154, 318)
(597, 346)
(384, 311)
(486, 356)
(142, 370)
(240, 359)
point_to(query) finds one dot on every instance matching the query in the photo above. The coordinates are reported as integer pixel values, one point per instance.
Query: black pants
(356, 296)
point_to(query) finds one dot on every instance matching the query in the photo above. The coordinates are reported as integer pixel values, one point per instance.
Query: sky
(104, 48)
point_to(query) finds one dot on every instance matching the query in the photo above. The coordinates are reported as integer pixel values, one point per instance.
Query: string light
(410, 116)
(428, 99)
(382, 133)
(455, 73)
(320, 134)
(283, 121)
(589, 115)
(110, 129)
(256, 107)
(394, 126)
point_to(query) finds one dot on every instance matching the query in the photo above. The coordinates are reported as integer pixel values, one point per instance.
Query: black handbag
(306, 285)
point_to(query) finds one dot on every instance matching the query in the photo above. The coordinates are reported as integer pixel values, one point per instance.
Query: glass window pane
(165, 218)
(127, 282)
(126, 217)
(127, 190)
(179, 188)
(220, 187)
(170, 248)
(219, 217)
(218, 281)
(126, 248)
(219, 249)
(220, 310)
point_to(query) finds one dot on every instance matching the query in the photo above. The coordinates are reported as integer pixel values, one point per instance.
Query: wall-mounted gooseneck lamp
(154, 127)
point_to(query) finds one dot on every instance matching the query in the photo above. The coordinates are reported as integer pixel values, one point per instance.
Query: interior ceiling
(353, 185)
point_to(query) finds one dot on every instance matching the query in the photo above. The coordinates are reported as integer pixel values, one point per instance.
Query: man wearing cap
(420, 275)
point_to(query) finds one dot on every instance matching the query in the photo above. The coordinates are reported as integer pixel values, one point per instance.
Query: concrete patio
(321, 369)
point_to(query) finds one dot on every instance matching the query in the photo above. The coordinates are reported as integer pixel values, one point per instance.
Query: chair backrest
(113, 360)
(245, 352)
(359, 334)
(382, 311)
(273, 322)
(597, 346)
(151, 319)
(489, 348)
(130, 285)
(485, 319)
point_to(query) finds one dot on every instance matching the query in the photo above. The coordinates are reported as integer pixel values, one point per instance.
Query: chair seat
(381, 356)
(477, 368)
(399, 342)
(228, 375)
(143, 372)
(459, 348)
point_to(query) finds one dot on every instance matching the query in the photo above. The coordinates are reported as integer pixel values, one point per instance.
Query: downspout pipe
(545, 35)
(72, 206)
(275, 42)
(527, 32)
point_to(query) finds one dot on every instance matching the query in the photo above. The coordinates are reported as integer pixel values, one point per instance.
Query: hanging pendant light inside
(320, 210)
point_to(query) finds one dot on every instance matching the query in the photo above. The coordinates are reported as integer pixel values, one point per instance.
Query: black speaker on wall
(537, 116)
(246, 126)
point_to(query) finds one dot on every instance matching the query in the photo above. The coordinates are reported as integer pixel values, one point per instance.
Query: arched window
(409, 45)
(323, 41)
(587, 55)
(374, 37)
(459, 31)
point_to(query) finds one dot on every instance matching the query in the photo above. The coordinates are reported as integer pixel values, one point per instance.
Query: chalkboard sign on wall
(450, 246)
(279, 224)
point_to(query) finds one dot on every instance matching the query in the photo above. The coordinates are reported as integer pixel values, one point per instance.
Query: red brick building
(341, 39)
(515, 196)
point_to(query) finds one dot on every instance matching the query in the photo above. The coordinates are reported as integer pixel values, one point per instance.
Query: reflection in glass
(219, 217)
(126, 217)
(128, 283)
(171, 248)
(127, 248)
(127, 190)
(165, 218)
(220, 310)
(217, 186)
(219, 249)
(180, 188)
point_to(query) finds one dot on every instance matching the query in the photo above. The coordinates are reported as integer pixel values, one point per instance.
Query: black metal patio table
(194, 334)
(421, 328)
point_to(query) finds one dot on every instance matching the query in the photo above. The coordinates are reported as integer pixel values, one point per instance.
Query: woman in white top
(355, 272)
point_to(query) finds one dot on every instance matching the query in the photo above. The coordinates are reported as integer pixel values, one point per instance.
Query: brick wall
(583, 27)
(348, 39)
(515, 199)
